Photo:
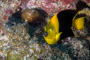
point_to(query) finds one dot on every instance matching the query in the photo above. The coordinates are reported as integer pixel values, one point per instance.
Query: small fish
(59, 26)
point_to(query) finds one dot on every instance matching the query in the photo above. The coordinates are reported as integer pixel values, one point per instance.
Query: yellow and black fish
(59, 26)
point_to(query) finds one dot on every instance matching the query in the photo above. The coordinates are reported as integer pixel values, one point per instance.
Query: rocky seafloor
(20, 40)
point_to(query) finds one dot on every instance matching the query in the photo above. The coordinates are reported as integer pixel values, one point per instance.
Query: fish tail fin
(78, 20)
(78, 23)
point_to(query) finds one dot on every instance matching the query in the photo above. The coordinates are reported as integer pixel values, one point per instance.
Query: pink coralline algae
(66, 2)
(9, 8)
(87, 1)
(48, 6)
(55, 0)
(7, 13)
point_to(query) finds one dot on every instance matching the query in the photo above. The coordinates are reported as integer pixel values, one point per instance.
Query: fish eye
(51, 29)
(45, 34)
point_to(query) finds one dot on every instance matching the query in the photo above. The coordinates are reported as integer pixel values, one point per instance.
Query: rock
(30, 15)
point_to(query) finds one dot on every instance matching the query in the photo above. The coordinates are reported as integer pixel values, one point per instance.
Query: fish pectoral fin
(58, 36)
(78, 23)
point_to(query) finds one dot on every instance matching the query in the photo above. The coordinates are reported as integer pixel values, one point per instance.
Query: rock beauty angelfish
(59, 26)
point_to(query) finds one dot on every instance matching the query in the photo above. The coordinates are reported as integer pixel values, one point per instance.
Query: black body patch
(65, 22)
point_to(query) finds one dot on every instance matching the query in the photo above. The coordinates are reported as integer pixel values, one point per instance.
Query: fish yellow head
(51, 34)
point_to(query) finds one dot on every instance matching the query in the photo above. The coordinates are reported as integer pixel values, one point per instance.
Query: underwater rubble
(23, 40)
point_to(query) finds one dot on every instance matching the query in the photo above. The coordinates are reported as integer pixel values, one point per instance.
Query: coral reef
(17, 44)
(78, 48)
(24, 41)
